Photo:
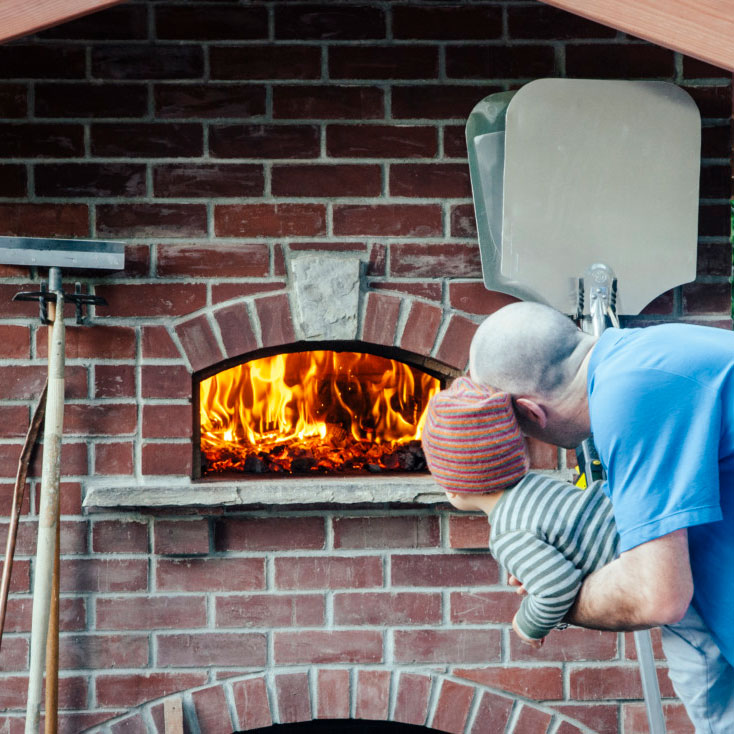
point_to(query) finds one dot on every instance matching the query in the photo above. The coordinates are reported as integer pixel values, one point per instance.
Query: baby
(547, 533)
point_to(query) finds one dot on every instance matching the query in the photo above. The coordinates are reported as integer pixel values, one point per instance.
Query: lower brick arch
(425, 699)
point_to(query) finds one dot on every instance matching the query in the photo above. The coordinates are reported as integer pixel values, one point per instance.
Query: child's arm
(550, 580)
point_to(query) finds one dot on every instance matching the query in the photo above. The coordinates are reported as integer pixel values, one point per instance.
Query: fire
(319, 411)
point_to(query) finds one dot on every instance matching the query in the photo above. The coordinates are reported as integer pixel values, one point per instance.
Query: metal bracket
(79, 299)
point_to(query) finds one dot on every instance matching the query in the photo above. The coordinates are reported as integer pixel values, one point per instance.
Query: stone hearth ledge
(421, 490)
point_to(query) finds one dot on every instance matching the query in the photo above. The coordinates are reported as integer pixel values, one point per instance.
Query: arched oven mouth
(313, 409)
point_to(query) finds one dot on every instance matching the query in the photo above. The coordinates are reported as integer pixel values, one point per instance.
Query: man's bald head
(528, 349)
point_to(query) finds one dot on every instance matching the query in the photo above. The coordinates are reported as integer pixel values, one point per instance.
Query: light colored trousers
(702, 677)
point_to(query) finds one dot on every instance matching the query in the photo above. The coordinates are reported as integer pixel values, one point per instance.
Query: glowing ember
(321, 411)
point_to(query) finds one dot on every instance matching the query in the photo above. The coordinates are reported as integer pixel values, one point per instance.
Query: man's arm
(645, 587)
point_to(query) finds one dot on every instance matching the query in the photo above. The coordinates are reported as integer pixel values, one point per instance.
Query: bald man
(660, 404)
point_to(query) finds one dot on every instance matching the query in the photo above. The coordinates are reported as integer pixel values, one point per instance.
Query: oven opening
(314, 412)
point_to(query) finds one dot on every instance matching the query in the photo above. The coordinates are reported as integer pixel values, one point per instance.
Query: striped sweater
(551, 535)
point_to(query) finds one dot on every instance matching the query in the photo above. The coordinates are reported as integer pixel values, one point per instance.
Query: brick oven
(288, 176)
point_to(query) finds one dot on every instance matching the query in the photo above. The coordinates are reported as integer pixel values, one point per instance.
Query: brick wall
(218, 140)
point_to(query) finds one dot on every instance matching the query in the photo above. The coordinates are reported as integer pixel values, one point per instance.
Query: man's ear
(531, 412)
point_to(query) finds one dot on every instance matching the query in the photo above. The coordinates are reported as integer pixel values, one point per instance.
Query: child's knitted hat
(471, 439)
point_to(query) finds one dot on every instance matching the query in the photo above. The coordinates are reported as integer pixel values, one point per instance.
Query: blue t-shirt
(661, 401)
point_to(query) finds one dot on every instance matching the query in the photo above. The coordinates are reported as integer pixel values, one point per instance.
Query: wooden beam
(703, 29)
(23, 17)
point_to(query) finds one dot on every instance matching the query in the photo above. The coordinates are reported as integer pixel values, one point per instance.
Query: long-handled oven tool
(54, 255)
(586, 198)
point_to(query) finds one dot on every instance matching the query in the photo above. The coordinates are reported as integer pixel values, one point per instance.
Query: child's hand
(512, 581)
(534, 643)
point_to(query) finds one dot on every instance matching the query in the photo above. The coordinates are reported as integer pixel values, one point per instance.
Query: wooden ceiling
(703, 29)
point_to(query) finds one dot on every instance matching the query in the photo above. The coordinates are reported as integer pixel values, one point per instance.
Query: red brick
(468, 531)
(269, 220)
(463, 222)
(112, 536)
(701, 298)
(314, 180)
(131, 689)
(165, 381)
(420, 290)
(381, 141)
(383, 62)
(103, 651)
(236, 329)
(421, 328)
(102, 419)
(15, 653)
(333, 694)
(70, 499)
(619, 61)
(265, 62)
(13, 100)
(715, 181)
(418, 260)
(630, 647)
(199, 342)
(389, 609)
(542, 22)
(388, 220)
(13, 181)
(210, 574)
(411, 703)
(328, 102)
(74, 460)
(622, 681)
(134, 724)
(600, 718)
(452, 709)
(438, 102)
(408, 531)
(438, 180)
(317, 647)
(120, 23)
(114, 381)
(44, 220)
(252, 704)
(147, 61)
(454, 349)
(212, 711)
(26, 382)
(500, 62)
(264, 141)
(293, 697)
(447, 646)
(663, 304)
(276, 324)
(474, 298)
(715, 141)
(15, 342)
(150, 611)
(697, 69)
(571, 645)
(166, 421)
(6, 493)
(277, 533)
(542, 455)
(181, 536)
(329, 572)
(84, 99)
(41, 61)
(454, 144)
(20, 580)
(207, 181)
(444, 569)
(212, 648)
(72, 693)
(532, 719)
(483, 607)
(147, 139)
(41, 140)
(157, 342)
(381, 319)
(270, 610)
(329, 22)
(634, 718)
(211, 23)
(373, 694)
(113, 458)
(151, 220)
(540, 683)
(104, 575)
(209, 100)
(713, 101)
(441, 22)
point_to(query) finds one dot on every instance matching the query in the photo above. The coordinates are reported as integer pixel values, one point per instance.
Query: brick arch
(227, 331)
(437, 701)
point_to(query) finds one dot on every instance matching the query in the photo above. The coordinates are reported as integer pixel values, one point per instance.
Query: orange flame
(319, 411)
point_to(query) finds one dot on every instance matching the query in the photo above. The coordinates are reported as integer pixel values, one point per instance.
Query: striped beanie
(471, 439)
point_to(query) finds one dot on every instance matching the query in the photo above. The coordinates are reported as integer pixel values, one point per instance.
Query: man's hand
(534, 643)
(645, 587)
